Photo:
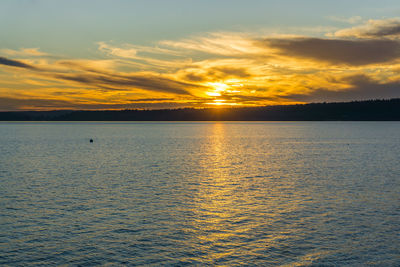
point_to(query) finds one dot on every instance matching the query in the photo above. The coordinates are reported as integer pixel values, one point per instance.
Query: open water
(240, 193)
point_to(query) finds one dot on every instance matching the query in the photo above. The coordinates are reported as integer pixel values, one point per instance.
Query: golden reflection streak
(214, 204)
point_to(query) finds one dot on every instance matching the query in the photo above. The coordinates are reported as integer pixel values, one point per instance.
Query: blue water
(267, 194)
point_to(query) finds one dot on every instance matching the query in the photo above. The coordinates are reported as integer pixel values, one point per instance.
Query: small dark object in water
(91, 140)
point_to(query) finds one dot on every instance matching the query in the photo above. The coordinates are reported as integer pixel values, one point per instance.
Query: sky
(151, 54)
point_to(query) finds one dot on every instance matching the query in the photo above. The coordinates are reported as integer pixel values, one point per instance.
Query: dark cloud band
(113, 81)
(15, 63)
(361, 87)
(336, 51)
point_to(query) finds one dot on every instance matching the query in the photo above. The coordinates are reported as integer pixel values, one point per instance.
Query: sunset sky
(122, 54)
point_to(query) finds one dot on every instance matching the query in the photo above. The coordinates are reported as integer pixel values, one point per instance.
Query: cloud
(227, 44)
(248, 99)
(117, 51)
(327, 50)
(146, 100)
(15, 63)
(15, 104)
(25, 52)
(336, 51)
(132, 51)
(109, 80)
(145, 57)
(96, 66)
(11, 104)
(144, 81)
(232, 68)
(350, 20)
(214, 73)
(373, 29)
(361, 87)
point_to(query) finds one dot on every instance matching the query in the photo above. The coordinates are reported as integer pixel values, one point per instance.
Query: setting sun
(213, 93)
(218, 86)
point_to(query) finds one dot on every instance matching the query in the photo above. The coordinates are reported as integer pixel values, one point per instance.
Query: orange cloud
(213, 69)
(388, 28)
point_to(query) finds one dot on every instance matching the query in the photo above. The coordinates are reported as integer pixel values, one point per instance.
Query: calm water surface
(295, 194)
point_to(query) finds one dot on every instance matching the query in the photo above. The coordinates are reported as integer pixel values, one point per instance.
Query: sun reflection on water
(218, 206)
(232, 206)
(174, 194)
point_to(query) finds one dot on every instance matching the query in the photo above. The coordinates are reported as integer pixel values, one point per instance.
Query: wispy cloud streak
(15, 63)
(246, 69)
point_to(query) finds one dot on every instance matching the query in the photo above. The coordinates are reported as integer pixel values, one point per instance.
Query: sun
(213, 94)
(218, 88)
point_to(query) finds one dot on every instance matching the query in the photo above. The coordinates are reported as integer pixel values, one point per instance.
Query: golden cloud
(387, 28)
(216, 68)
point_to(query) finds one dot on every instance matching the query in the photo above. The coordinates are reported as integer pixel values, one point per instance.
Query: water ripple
(251, 194)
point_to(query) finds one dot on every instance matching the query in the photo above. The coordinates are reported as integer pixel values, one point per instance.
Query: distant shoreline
(370, 110)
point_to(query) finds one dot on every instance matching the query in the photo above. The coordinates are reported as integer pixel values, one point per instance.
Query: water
(293, 193)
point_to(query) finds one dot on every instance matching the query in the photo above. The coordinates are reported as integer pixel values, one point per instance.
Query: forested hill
(373, 110)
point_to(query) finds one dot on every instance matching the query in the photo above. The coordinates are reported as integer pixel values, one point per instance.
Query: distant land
(370, 110)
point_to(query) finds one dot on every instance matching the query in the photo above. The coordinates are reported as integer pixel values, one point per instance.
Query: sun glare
(219, 90)
(219, 86)
(213, 93)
